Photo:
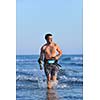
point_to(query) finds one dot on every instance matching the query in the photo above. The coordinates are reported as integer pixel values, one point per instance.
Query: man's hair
(47, 35)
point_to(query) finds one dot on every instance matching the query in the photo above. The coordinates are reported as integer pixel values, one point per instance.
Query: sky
(35, 18)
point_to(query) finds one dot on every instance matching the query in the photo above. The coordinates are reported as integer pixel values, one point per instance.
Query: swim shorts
(51, 68)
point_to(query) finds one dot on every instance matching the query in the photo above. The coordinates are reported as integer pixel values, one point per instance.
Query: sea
(31, 81)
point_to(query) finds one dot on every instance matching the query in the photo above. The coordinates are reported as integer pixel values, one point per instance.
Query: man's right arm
(40, 60)
(41, 56)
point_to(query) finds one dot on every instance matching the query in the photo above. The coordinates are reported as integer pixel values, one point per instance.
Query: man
(50, 53)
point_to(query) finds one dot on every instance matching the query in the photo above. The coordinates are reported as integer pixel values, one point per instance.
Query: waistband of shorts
(46, 60)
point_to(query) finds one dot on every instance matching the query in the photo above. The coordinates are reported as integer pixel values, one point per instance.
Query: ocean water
(31, 81)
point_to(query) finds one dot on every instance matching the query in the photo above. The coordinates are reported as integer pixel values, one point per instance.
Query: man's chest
(50, 49)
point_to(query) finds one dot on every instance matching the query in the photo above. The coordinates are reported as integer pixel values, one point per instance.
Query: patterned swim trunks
(51, 68)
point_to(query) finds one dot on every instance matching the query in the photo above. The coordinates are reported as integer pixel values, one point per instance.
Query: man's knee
(54, 78)
(48, 77)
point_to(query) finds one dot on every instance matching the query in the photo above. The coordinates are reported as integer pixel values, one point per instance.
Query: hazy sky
(63, 18)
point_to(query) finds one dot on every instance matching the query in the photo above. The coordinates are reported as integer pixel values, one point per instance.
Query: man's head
(48, 38)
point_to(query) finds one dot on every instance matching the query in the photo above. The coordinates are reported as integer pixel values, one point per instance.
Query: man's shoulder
(55, 44)
(44, 46)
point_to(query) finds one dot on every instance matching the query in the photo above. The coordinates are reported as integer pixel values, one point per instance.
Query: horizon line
(39, 54)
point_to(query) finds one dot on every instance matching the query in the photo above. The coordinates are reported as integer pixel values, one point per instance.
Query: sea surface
(31, 81)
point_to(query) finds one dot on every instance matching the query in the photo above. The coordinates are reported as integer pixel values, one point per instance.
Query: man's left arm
(59, 52)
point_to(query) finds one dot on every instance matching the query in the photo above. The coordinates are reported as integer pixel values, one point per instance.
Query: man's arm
(41, 56)
(59, 52)
(40, 60)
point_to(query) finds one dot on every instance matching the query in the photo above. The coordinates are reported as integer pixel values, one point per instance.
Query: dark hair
(47, 35)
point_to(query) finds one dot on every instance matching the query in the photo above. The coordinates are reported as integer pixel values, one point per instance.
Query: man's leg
(49, 86)
(54, 78)
(47, 72)
(48, 77)
(52, 81)
(54, 73)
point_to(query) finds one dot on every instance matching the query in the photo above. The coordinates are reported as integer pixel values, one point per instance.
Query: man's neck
(49, 43)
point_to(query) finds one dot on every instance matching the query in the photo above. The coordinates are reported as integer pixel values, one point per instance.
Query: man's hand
(56, 57)
(39, 61)
(41, 67)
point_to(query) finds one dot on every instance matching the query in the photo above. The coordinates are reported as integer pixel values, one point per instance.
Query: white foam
(63, 86)
(53, 83)
(77, 58)
(42, 83)
(70, 78)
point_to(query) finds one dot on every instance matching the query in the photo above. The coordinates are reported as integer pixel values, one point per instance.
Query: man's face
(49, 39)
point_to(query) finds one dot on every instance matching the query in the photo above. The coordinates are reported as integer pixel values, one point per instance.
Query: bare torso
(49, 50)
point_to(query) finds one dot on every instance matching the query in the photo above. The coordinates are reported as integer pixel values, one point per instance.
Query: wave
(27, 70)
(72, 63)
(76, 58)
(23, 73)
(26, 78)
(80, 58)
(25, 86)
(34, 75)
(70, 80)
(62, 79)
(26, 60)
(30, 82)
(40, 86)
(73, 97)
(75, 64)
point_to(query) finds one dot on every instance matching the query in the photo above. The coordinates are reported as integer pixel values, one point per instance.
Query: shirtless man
(50, 53)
